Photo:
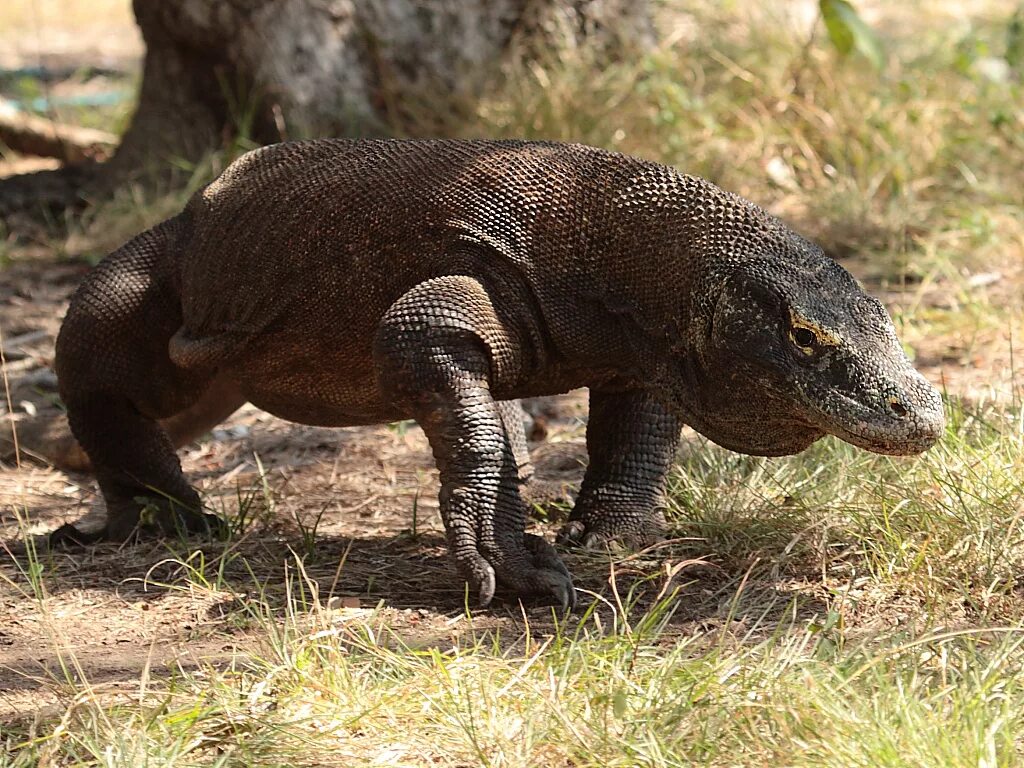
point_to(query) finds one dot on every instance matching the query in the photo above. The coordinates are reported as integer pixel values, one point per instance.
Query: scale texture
(339, 283)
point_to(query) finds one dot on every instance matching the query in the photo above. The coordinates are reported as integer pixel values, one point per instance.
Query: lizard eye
(802, 337)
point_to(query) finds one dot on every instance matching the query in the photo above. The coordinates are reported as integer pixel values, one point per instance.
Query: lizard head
(800, 351)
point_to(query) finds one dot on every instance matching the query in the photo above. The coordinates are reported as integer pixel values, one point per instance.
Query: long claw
(486, 588)
(601, 543)
(571, 533)
(565, 593)
(559, 586)
(68, 536)
(577, 534)
(566, 598)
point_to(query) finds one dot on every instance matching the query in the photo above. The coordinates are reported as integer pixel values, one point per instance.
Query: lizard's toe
(552, 573)
(544, 555)
(572, 534)
(208, 525)
(557, 585)
(535, 570)
(70, 537)
(542, 582)
(477, 572)
(577, 533)
(538, 572)
(606, 542)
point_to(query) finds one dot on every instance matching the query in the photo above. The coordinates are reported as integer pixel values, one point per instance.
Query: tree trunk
(268, 70)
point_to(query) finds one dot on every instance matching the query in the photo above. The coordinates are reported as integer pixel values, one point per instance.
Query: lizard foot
(534, 570)
(617, 534)
(141, 518)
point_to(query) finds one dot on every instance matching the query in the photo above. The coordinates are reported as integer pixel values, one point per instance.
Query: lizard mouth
(897, 429)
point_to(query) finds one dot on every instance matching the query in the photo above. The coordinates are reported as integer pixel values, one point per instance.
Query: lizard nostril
(898, 408)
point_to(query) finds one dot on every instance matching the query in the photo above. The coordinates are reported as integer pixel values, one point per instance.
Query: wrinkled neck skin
(676, 240)
(734, 414)
(680, 238)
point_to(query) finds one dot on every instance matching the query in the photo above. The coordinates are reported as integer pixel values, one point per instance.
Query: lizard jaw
(897, 428)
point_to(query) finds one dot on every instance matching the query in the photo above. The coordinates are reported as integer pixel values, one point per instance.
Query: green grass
(852, 610)
(945, 529)
(326, 692)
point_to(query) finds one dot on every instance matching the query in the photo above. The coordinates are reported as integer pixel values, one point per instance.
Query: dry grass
(96, 31)
(888, 162)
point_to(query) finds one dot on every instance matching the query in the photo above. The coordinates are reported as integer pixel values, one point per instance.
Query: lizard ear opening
(749, 315)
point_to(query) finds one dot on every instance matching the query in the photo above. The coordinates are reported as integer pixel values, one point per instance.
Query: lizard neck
(654, 268)
(673, 241)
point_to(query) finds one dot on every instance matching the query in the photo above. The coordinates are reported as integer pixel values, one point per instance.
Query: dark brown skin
(352, 282)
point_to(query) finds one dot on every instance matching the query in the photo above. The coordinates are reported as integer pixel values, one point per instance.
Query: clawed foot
(163, 518)
(530, 568)
(142, 518)
(70, 537)
(613, 533)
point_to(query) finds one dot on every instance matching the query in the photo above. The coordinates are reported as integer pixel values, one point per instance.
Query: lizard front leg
(440, 351)
(631, 441)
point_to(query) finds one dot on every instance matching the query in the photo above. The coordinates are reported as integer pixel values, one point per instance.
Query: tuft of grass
(944, 529)
(338, 688)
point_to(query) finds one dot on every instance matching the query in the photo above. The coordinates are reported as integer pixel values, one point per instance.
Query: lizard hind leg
(137, 470)
(117, 381)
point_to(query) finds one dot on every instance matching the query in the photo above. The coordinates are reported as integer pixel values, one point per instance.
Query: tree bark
(32, 135)
(268, 70)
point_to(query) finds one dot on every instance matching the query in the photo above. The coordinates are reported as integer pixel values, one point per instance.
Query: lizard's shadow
(207, 602)
(405, 572)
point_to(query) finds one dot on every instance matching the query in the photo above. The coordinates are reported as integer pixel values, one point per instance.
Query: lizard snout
(902, 417)
(916, 404)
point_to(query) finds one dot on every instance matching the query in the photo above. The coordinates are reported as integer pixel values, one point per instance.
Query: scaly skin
(353, 282)
(631, 441)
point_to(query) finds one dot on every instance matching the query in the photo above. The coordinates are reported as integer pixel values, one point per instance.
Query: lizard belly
(329, 385)
(321, 400)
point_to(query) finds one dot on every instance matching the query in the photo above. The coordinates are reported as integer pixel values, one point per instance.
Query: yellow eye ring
(804, 338)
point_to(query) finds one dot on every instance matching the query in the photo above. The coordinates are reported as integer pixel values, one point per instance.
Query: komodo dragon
(339, 283)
